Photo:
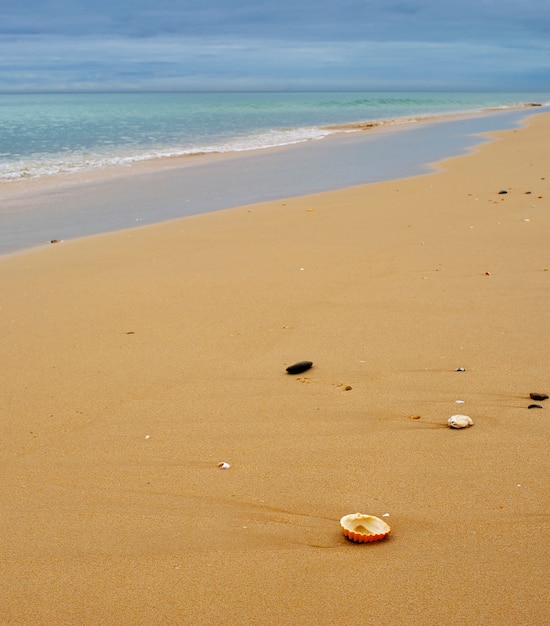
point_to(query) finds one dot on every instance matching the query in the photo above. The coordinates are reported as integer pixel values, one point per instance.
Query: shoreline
(136, 361)
(36, 184)
(93, 203)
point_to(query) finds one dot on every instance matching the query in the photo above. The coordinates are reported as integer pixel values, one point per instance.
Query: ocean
(42, 135)
(55, 150)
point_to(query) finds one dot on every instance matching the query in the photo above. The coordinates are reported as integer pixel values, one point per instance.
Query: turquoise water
(45, 134)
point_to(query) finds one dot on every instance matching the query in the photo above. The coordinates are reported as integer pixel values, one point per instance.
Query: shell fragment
(460, 421)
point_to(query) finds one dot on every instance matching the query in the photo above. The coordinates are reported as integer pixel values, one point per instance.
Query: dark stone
(534, 406)
(299, 367)
(502, 191)
(460, 369)
(538, 396)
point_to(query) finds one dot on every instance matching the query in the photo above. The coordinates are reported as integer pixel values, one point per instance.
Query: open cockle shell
(364, 528)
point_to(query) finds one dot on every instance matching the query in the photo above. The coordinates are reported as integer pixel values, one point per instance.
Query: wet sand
(34, 211)
(134, 362)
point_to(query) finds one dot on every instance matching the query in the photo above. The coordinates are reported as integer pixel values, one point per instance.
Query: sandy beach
(134, 362)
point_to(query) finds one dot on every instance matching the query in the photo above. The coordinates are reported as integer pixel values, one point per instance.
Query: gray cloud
(131, 44)
(432, 20)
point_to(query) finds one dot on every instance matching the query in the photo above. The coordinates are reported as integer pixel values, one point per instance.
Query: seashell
(460, 421)
(362, 528)
(224, 465)
(299, 367)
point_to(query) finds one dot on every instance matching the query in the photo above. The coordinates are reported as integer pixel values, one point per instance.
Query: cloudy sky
(275, 44)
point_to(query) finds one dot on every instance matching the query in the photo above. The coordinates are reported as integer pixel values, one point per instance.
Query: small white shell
(460, 421)
(224, 465)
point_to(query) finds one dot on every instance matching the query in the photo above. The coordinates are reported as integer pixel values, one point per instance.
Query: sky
(80, 45)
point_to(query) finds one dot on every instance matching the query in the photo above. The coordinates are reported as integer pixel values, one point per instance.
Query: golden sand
(133, 363)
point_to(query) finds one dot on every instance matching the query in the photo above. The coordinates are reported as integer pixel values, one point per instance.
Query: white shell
(460, 421)
(224, 465)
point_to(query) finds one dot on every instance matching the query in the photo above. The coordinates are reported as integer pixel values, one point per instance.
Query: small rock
(55, 240)
(298, 368)
(415, 417)
(538, 396)
(460, 369)
(460, 421)
(502, 191)
(535, 406)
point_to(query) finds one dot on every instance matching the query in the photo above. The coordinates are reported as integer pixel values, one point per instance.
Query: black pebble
(299, 367)
(502, 191)
(538, 396)
(534, 406)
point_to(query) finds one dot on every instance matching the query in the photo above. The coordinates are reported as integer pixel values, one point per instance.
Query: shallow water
(42, 135)
(340, 161)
